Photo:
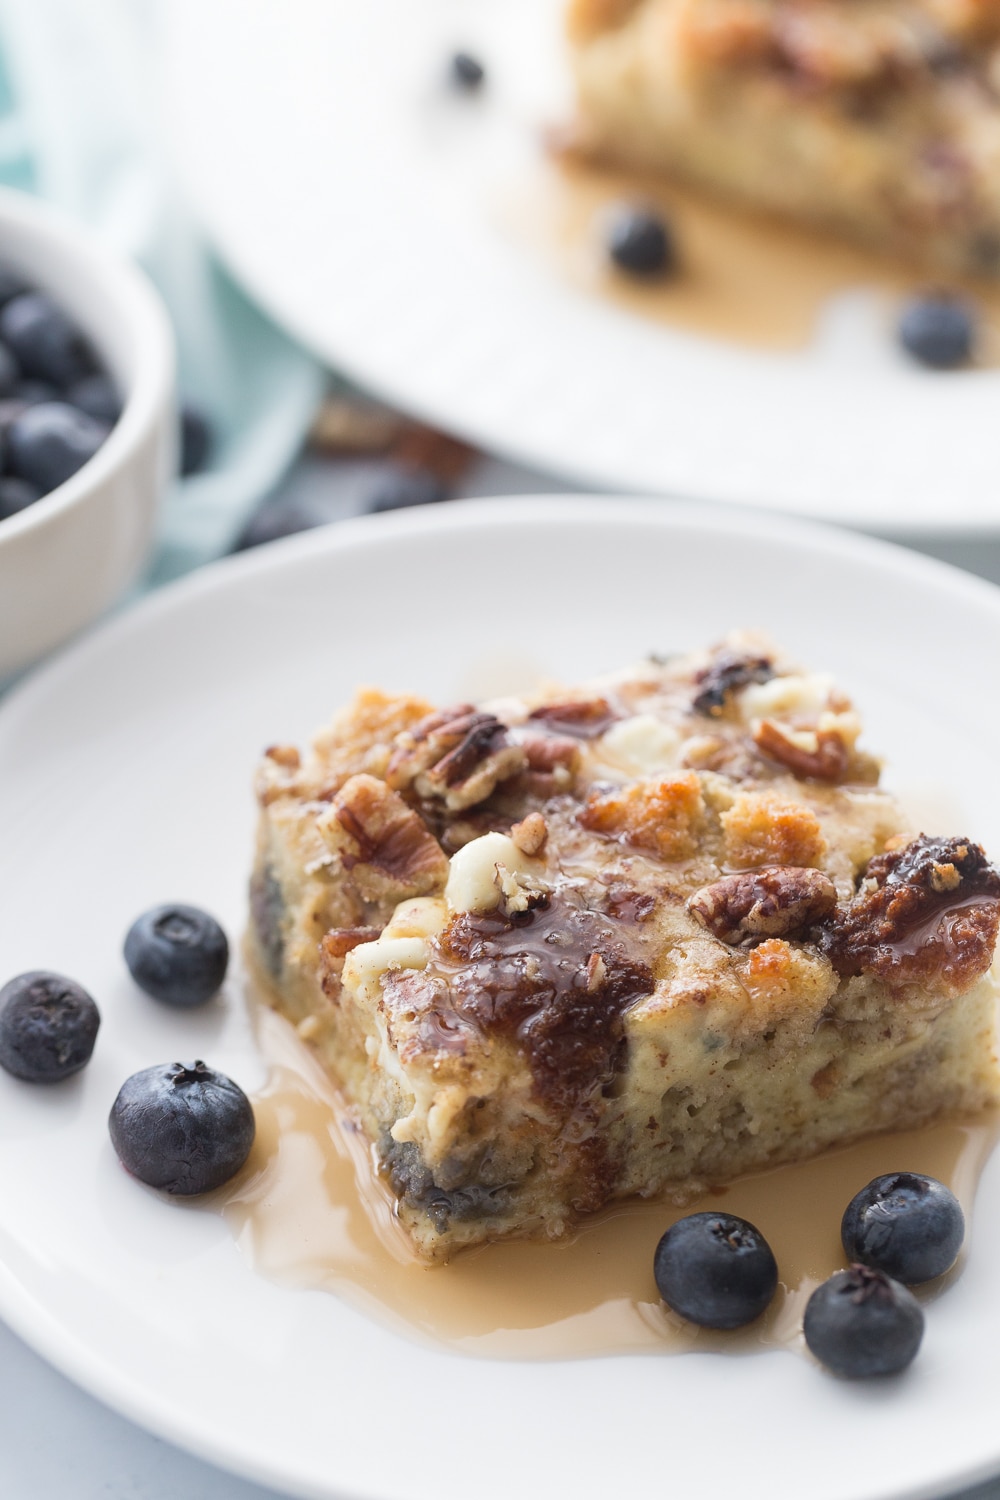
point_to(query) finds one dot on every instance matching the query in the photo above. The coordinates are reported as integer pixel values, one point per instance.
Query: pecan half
(382, 843)
(456, 756)
(828, 761)
(584, 718)
(926, 914)
(724, 676)
(775, 901)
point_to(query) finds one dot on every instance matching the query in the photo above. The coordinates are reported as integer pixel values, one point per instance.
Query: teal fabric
(78, 113)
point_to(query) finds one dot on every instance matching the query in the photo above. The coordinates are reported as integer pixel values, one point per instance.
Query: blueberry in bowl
(905, 1224)
(178, 954)
(48, 1026)
(716, 1270)
(182, 1128)
(87, 346)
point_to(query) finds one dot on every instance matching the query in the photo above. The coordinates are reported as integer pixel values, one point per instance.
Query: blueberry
(48, 1026)
(48, 443)
(34, 392)
(715, 1270)
(639, 241)
(96, 395)
(45, 342)
(467, 72)
(16, 495)
(196, 439)
(177, 954)
(398, 489)
(909, 1226)
(11, 285)
(10, 372)
(938, 330)
(181, 1127)
(862, 1323)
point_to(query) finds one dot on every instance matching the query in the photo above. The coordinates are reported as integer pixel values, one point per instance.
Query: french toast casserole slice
(638, 938)
(879, 119)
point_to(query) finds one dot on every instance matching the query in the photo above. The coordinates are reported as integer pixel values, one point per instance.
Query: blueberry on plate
(16, 495)
(861, 1323)
(97, 396)
(49, 442)
(639, 241)
(48, 1026)
(46, 343)
(715, 1270)
(177, 954)
(907, 1225)
(938, 330)
(181, 1127)
(467, 72)
(34, 392)
(196, 439)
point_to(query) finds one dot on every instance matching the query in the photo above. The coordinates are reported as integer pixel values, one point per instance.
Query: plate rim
(39, 1328)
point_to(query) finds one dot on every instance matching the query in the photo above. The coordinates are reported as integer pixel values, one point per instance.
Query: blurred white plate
(357, 199)
(124, 781)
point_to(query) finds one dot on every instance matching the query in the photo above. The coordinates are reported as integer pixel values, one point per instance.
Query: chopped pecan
(926, 915)
(339, 941)
(530, 834)
(824, 758)
(723, 676)
(585, 718)
(775, 901)
(382, 842)
(456, 756)
(284, 755)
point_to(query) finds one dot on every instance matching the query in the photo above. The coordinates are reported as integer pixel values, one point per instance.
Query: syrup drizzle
(309, 1210)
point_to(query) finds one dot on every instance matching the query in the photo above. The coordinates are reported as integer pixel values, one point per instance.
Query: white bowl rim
(143, 311)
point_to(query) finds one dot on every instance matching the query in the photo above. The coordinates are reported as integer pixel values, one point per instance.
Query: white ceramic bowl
(66, 558)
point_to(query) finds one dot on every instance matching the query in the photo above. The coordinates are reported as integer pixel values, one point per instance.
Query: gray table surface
(56, 1442)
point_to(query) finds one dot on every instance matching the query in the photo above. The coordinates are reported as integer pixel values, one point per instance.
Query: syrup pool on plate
(741, 276)
(308, 1210)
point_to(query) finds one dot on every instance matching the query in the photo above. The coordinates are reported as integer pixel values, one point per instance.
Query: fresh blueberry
(177, 954)
(860, 1323)
(640, 242)
(907, 1225)
(48, 1026)
(467, 72)
(11, 285)
(45, 342)
(96, 395)
(34, 392)
(398, 489)
(16, 495)
(10, 372)
(715, 1270)
(196, 439)
(938, 330)
(181, 1127)
(48, 443)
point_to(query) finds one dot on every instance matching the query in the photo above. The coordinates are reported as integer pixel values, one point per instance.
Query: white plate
(358, 201)
(124, 781)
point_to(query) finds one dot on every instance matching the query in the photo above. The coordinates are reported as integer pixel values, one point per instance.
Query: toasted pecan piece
(384, 845)
(584, 718)
(725, 675)
(816, 755)
(456, 756)
(926, 914)
(775, 901)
